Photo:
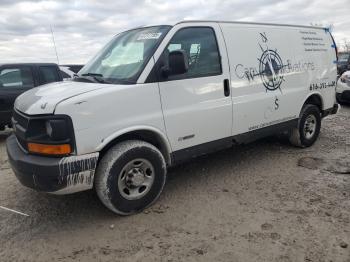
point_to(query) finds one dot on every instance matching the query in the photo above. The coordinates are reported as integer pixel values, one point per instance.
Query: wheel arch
(144, 133)
(314, 99)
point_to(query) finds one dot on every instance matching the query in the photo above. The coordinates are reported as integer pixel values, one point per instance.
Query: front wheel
(308, 129)
(130, 177)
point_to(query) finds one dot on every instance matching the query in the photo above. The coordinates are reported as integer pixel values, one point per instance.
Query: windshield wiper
(97, 77)
(92, 74)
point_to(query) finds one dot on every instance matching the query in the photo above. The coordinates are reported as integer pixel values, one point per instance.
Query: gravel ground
(265, 201)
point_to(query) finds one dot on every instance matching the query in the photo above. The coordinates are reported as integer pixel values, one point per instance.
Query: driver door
(197, 105)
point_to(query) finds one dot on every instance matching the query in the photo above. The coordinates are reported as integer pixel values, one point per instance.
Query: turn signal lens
(64, 149)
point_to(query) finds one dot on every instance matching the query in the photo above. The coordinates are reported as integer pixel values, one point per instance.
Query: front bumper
(344, 96)
(49, 174)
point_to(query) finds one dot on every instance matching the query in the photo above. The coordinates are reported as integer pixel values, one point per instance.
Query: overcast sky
(82, 27)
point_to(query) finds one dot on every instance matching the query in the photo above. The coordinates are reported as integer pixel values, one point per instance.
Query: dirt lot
(251, 203)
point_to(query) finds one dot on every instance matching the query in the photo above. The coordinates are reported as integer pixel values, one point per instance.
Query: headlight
(48, 128)
(56, 129)
(50, 135)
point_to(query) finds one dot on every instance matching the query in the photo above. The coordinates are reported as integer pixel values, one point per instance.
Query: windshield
(343, 57)
(123, 59)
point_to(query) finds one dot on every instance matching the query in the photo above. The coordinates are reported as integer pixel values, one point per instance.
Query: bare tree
(346, 45)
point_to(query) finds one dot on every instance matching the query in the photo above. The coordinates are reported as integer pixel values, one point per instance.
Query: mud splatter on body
(78, 170)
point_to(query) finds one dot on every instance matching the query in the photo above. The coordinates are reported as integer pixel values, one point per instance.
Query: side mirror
(177, 63)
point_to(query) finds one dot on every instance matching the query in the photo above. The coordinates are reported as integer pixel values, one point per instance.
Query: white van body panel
(101, 116)
(250, 47)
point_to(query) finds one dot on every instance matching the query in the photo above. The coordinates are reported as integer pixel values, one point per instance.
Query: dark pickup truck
(18, 78)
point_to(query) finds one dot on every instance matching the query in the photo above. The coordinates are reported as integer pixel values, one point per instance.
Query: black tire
(109, 173)
(298, 136)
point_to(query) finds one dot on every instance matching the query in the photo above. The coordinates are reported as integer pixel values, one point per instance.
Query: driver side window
(200, 46)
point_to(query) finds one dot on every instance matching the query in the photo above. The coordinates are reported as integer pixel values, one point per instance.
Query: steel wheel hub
(136, 179)
(310, 126)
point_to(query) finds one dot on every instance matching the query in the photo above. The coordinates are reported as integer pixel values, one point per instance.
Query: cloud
(82, 27)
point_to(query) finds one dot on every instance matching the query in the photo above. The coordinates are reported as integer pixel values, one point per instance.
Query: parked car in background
(66, 73)
(343, 62)
(343, 88)
(18, 78)
(74, 68)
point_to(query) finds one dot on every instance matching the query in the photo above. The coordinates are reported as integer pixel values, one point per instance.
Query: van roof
(251, 23)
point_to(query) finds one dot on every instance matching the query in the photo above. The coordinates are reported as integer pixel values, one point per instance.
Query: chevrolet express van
(156, 96)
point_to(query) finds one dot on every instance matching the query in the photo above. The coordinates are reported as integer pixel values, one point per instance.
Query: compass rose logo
(270, 66)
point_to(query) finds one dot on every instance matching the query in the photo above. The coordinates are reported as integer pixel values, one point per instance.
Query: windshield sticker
(149, 36)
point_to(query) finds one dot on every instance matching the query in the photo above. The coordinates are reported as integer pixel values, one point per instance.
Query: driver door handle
(226, 87)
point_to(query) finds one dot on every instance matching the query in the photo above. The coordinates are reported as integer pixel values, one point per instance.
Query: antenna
(54, 44)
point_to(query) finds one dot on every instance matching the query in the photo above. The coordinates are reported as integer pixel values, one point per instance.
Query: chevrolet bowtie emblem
(43, 106)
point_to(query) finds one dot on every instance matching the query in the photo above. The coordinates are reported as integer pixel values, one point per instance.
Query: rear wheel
(130, 177)
(308, 129)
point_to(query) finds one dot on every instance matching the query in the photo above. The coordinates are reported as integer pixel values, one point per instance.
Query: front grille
(20, 125)
(20, 119)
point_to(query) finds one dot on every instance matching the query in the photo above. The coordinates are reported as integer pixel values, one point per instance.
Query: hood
(44, 99)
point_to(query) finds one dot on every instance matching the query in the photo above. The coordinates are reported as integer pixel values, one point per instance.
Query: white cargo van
(156, 96)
